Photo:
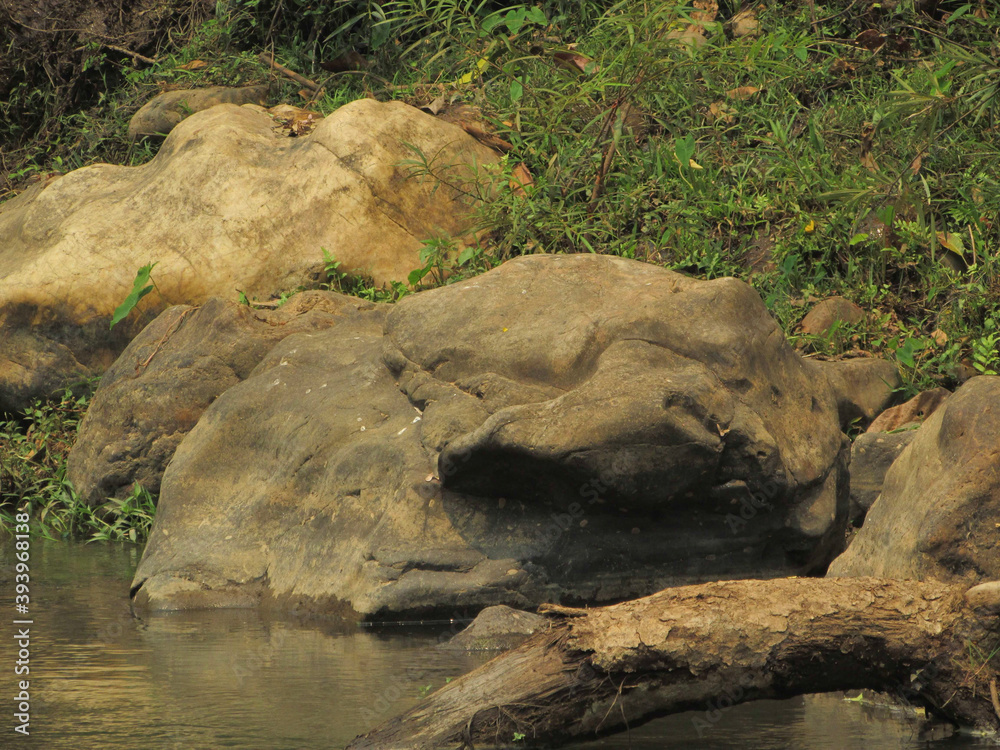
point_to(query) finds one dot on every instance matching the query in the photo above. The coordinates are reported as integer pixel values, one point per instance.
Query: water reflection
(101, 678)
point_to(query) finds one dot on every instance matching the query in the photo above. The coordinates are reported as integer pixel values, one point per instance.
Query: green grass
(852, 151)
(33, 452)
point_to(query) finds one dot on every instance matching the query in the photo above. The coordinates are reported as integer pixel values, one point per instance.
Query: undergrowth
(33, 452)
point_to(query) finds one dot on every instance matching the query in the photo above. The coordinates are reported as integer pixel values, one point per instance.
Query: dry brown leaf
(435, 106)
(870, 39)
(193, 65)
(470, 120)
(575, 62)
(743, 92)
(294, 120)
(940, 337)
(520, 178)
(915, 165)
(720, 111)
(745, 23)
(867, 138)
(841, 68)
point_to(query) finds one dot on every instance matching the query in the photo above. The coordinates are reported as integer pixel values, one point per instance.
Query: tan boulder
(939, 509)
(830, 312)
(911, 413)
(228, 204)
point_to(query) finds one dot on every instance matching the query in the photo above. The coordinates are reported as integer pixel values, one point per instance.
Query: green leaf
(466, 255)
(417, 275)
(140, 288)
(537, 16)
(802, 53)
(491, 22)
(516, 90)
(684, 149)
(514, 20)
(859, 237)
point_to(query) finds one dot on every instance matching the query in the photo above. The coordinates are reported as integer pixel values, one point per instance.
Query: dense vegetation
(811, 149)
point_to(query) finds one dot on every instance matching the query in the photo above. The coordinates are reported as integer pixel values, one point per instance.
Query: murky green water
(101, 678)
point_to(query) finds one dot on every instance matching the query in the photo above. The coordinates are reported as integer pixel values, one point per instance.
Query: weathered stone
(498, 628)
(574, 427)
(864, 387)
(164, 112)
(166, 378)
(911, 413)
(227, 204)
(830, 312)
(939, 510)
(871, 456)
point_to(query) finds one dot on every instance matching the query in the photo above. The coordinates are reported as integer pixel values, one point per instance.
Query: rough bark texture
(595, 672)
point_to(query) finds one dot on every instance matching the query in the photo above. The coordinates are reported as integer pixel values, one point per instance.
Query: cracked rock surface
(227, 204)
(577, 428)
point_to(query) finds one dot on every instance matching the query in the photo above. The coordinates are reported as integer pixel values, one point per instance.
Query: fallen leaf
(841, 67)
(810, 227)
(870, 39)
(435, 106)
(940, 337)
(867, 138)
(743, 92)
(745, 23)
(193, 65)
(952, 242)
(520, 178)
(915, 165)
(575, 61)
(722, 112)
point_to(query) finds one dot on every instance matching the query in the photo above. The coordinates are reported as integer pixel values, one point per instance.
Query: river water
(103, 679)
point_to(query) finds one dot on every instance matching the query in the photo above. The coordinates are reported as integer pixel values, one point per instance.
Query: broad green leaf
(684, 149)
(516, 90)
(538, 16)
(140, 288)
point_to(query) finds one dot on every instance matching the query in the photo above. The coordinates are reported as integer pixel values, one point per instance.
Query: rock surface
(822, 318)
(163, 112)
(166, 378)
(563, 428)
(864, 387)
(911, 413)
(872, 453)
(939, 510)
(498, 628)
(228, 203)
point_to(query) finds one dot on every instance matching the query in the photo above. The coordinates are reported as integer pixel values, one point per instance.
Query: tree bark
(598, 671)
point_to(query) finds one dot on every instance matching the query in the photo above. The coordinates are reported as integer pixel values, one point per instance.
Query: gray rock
(864, 387)
(497, 628)
(163, 382)
(871, 456)
(822, 318)
(164, 112)
(939, 510)
(574, 427)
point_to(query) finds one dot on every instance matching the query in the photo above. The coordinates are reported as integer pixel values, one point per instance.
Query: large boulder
(163, 112)
(939, 510)
(227, 204)
(872, 453)
(166, 378)
(567, 428)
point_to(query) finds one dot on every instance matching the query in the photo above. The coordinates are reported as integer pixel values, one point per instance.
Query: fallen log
(594, 672)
